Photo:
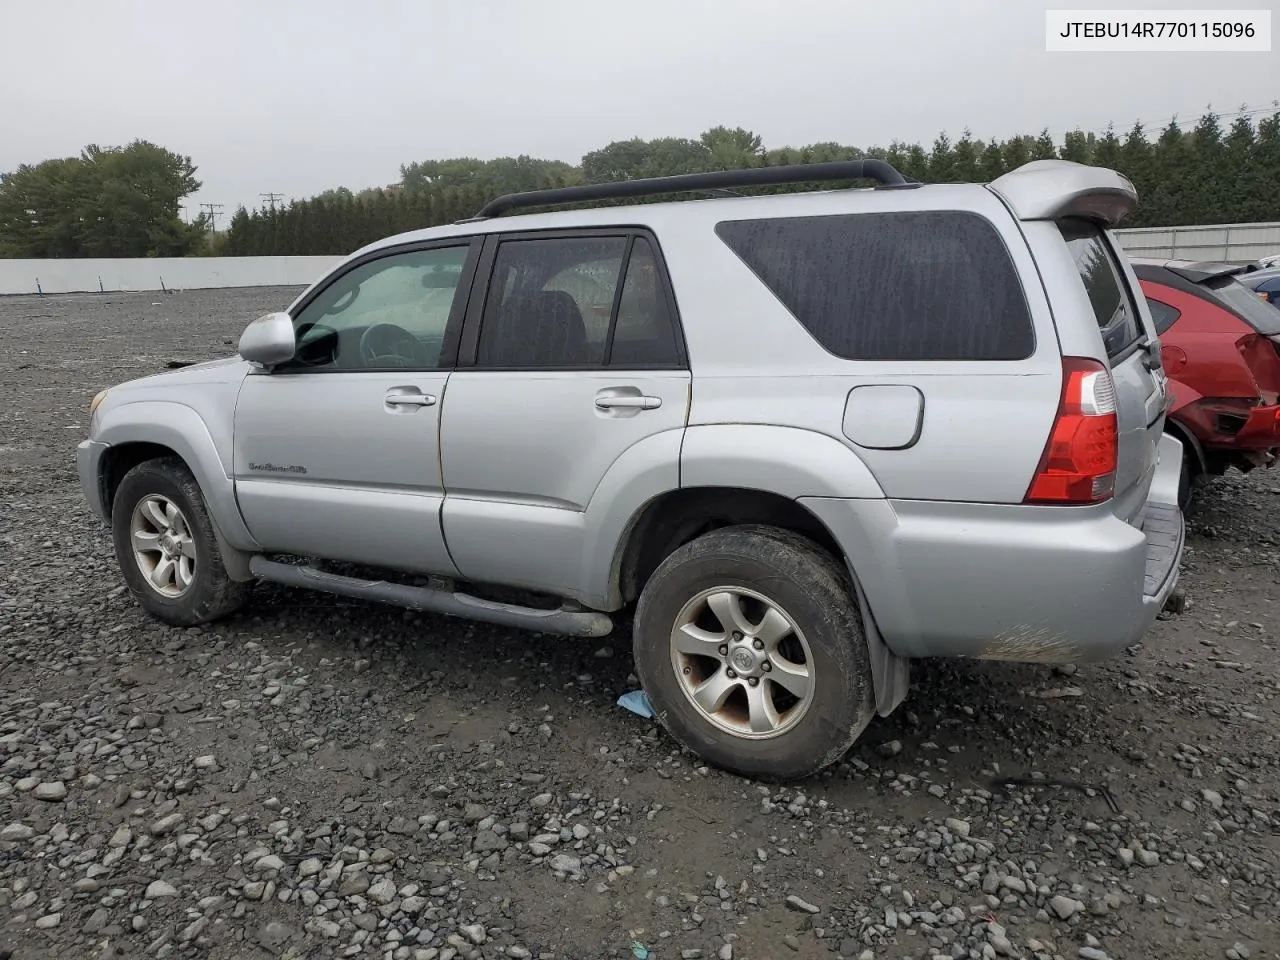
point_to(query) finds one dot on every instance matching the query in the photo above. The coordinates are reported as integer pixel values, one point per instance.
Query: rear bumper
(1262, 430)
(1205, 419)
(1024, 583)
(88, 467)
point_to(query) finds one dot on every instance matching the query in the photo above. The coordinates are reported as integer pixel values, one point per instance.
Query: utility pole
(214, 209)
(271, 199)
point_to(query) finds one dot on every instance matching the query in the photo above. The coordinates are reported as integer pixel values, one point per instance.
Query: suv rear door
(1132, 351)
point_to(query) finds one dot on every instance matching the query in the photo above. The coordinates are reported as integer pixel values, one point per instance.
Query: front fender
(787, 461)
(182, 430)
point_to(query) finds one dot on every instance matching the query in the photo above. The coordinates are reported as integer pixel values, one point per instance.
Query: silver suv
(799, 438)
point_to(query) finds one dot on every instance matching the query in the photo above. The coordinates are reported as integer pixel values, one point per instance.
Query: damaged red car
(1220, 348)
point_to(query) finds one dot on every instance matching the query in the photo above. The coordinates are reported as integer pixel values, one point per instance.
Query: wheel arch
(675, 518)
(137, 432)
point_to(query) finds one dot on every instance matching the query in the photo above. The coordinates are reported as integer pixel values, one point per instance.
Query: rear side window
(935, 285)
(1112, 306)
(1164, 315)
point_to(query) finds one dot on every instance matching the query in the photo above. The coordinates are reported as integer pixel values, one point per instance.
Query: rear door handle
(410, 400)
(633, 402)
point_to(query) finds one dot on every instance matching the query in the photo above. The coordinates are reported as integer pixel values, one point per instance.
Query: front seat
(542, 329)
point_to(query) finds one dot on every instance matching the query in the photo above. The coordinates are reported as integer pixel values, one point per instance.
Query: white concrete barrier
(158, 273)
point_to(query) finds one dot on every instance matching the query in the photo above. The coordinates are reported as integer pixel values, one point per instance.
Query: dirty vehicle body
(1220, 346)
(800, 439)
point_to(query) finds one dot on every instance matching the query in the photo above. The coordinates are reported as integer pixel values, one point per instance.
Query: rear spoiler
(1191, 271)
(1054, 189)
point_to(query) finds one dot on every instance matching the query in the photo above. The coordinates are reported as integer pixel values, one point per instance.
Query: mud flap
(890, 673)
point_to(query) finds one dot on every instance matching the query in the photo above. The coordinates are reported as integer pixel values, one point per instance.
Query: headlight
(97, 399)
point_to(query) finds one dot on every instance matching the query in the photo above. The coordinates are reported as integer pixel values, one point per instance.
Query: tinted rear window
(1263, 317)
(1162, 314)
(1108, 293)
(936, 285)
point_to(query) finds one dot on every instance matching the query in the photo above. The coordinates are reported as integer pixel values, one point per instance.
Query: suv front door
(570, 361)
(335, 453)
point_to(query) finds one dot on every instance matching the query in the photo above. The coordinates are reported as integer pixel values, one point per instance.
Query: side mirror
(268, 340)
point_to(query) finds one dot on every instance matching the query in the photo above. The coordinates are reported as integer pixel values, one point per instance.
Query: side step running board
(573, 623)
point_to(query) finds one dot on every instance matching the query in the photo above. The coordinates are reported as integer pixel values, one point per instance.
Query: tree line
(106, 202)
(1206, 174)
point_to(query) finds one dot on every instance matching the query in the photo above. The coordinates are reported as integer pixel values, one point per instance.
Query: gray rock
(1092, 953)
(166, 824)
(54, 791)
(269, 864)
(158, 888)
(800, 905)
(474, 813)
(1213, 798)
(890, 749)
(17, 831)
(960, 828)
(97, 920)
(309, 867)
(381, 892)
(580, 832)
(474, 932)
(539, 849)
(48, 921)
(254, 890)
(24, 901)
(564, 863)
(1065, 907)
(487, 842)
(353, 884)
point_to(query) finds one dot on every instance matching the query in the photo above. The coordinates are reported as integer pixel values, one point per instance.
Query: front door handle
(633, 402)
(410, 400)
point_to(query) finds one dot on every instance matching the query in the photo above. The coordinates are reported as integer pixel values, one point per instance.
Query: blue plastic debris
(637, 703)
(638, 949)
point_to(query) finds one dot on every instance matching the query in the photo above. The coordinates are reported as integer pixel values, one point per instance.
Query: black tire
(211, 594)
(810, 588)
(1187, 480)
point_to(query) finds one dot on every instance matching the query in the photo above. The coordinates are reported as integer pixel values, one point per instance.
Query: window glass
(643, 335)
(1162, 314)
(1115, 313)
(384, 314)
(935, 285)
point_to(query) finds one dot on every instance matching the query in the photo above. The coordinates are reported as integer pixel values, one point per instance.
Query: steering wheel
(387, 345)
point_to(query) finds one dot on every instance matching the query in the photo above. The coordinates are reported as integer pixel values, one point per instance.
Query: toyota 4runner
(799, 439)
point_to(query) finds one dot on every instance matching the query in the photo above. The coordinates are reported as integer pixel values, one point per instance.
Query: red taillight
(1079, 461)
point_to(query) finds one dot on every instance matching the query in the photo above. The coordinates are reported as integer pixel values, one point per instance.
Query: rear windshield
(1113, 307)
(1262, 316)
(935, 285)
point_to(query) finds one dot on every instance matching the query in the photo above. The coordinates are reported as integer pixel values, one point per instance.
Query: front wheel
(166, 546)
(750, 647)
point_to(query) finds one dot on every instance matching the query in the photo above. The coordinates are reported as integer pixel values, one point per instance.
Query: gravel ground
(322, 778)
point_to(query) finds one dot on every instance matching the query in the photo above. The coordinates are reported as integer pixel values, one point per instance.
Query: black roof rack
(717, 180)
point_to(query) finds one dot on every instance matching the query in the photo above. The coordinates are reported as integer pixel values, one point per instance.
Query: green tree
(107, 202)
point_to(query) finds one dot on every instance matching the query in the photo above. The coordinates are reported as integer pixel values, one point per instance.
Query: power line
(271, 199)
(214, 209)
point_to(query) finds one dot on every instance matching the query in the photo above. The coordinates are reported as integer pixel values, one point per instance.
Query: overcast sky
(296, 96)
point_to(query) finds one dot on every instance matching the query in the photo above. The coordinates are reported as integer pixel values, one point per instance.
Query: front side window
(1108, 294)
(584, 302)
(389, 313)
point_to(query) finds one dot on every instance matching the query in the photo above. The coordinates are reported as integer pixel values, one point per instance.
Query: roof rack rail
(717, 180)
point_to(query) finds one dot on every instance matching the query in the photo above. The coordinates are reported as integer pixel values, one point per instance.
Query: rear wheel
(166, 546)
(750, 648)
(1187, 479)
